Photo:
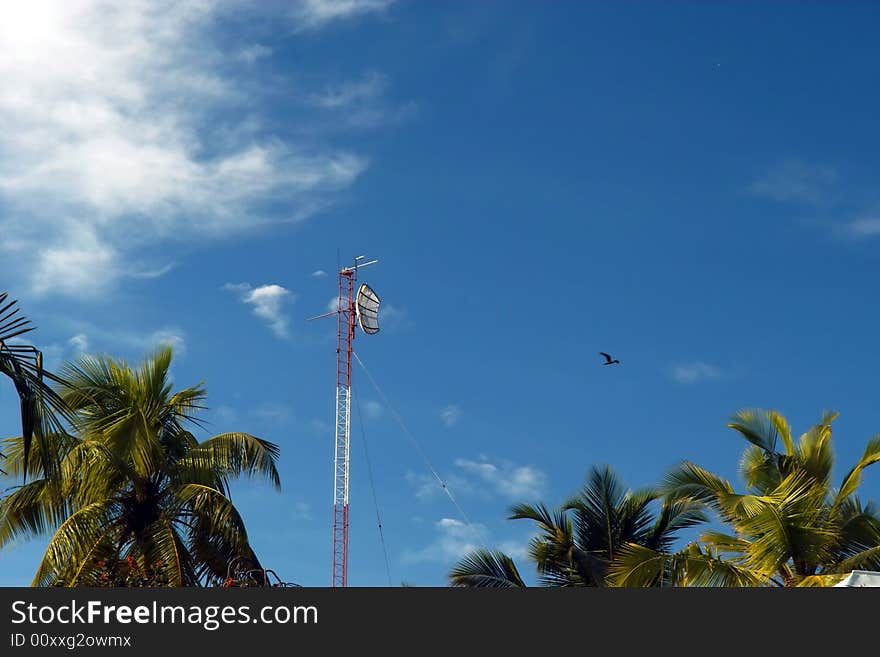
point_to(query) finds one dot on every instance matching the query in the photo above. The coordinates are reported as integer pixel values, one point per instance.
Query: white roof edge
(861, 578)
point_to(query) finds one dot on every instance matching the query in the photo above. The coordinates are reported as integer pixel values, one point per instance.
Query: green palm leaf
(132, 482)
(486, 569)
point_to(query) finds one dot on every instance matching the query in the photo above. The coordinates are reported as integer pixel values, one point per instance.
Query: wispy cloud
(373, 409)
(315, 14)
(90, 339)
(166, 337)
(351, 92)
(850, 211)
(394, 318)
(157, 272)
(362, 102)
(426, 487)
(695, 372)
(253, 52)
(105, 153)
(861, 229)
(453, 540)
(320, 273)
(511, 481)
(302, 511)
(79, 343)
(450, 415)
(53, 353)
(794, 180)
(268, 303)
(485, 479)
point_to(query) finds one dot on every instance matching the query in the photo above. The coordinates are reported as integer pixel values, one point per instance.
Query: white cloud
(95, 339)
(794, 180)
(167, 337)
(454, 539)
(320, 273)
(865, 228)
(361, 102)
(157, 272)
(254, 52)
(695, 372)
(314, 14)
(333, 305)
(427, 487)
(79, 343)
(373, 409)
(105, 150)
(302, 511)
(394, 318)
(484, 479)
(81, 266)
(268, 303)
(516, 550)
(450, 415)
(348, 93)
(514, 482)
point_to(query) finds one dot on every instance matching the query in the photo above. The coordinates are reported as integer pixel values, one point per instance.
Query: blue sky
(688, 186)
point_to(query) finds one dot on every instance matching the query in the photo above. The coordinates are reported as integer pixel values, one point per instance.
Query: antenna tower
(350, 312)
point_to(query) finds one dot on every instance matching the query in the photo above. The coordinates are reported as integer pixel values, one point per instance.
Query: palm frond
(814, 449)
(689, 480)
(231, 455)
(821, 580)
(696, 566)
(759, 469)
(758, 427)
(596, 509)
(675, 515)
(31, 510)
(638, 566)
(162, 544)
(486, 569)
(867, 559)
(73, 539)
(853, 478)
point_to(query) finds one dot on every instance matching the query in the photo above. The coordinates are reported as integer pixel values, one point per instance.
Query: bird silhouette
(608, 360)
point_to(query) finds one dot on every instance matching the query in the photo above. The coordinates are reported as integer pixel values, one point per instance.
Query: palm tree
(791, 527)
(579, 541)
(40, 406)
(133, 484)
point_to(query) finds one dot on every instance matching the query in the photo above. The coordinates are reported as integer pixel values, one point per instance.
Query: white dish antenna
(367, 309)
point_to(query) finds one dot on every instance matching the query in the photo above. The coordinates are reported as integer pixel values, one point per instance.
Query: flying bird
(608, 360)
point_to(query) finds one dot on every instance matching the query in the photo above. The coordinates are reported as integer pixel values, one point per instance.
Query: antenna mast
(346, 322)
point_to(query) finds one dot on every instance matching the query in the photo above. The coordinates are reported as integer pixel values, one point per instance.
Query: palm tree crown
(132, 483)
(578, 542)
(791, 527)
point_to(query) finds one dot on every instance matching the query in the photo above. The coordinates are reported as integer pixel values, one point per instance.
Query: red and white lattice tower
(341, 457)
(350, 313)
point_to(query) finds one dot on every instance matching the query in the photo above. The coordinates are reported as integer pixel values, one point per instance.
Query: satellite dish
(367, 309)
